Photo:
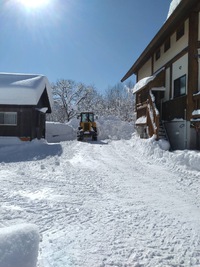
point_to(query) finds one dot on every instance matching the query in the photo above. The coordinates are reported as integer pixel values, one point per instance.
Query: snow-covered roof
(142, 83)
(172, 7)
(23, 89)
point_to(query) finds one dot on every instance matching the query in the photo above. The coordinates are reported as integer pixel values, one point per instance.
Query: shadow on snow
(29, 152)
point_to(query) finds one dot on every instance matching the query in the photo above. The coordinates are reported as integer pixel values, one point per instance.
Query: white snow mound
(109, 127)
(19, 246)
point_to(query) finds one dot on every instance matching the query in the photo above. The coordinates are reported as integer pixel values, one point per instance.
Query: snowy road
(103, 204)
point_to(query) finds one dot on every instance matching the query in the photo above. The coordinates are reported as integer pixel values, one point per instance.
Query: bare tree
(120, 102)
(71, 98)
(68, 95)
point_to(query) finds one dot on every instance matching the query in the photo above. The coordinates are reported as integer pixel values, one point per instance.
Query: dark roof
(180, 14)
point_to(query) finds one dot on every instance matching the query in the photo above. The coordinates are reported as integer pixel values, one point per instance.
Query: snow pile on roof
(23, 89)
(172, 7)
(142, 83)
(19, 246)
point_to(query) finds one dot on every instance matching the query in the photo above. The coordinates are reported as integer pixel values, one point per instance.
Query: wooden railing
(196, 100)
(148, 109)
(195, 117)
(174, 108)
(152, 117)
(141, 109)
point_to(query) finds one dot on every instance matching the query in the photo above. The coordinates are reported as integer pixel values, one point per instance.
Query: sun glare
(33, 3)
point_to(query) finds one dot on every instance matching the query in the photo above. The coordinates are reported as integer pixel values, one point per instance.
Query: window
(180, 86)
(157, 54)
(8, 118)
(180, 32)
(167, 44)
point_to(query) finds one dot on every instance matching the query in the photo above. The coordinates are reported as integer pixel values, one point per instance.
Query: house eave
(179, 14)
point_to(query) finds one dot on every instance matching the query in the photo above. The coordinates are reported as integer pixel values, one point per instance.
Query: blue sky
(89, 41)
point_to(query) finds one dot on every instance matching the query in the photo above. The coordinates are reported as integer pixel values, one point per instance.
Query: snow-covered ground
(120, 201)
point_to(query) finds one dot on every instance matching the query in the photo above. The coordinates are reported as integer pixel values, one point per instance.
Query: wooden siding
(174, 109)
(192, 62)
(30, 122)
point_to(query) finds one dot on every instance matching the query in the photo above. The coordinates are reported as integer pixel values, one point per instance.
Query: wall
(145, 71)
(199, 28)
(199, 54)
(176, 47)
(167, 85)
(180, 68)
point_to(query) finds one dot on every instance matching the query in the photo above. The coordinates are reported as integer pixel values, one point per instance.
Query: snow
(172, 7)
(196, 112)
(142, 83)
(121, 202)
(108, 127)
(23, 89)
(141, 120)
(19, 246)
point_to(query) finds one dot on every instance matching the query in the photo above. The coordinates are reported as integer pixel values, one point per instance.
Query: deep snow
(114, 202)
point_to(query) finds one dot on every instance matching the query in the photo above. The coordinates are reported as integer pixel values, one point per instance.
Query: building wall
(199, 57)
(180, 68)
(199, 28)
(30, 122)
(199, 71)
(175, 48)
(167, 85)
(176, 62)
(145, 71)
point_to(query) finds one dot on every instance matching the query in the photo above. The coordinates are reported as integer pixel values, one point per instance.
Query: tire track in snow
(103, 205)
(170, 223)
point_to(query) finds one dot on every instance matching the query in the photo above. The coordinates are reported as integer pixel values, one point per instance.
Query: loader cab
(87, 117)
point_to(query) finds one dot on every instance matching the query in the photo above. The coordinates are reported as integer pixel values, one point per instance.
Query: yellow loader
(87, 126)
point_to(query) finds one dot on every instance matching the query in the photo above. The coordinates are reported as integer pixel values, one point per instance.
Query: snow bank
(109, 127)
(19, 246)
(158, 151)
(58, 132)
(141, 83)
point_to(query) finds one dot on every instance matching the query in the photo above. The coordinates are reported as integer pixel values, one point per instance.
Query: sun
(32, 4)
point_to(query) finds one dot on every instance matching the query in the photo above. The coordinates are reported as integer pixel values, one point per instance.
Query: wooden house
(24, 101)
(168, 80)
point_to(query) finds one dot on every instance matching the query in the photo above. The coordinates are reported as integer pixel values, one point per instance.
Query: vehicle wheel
(80, 138)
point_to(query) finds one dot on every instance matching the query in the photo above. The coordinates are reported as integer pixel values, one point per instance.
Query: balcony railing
(148, 109)
(152, 117)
